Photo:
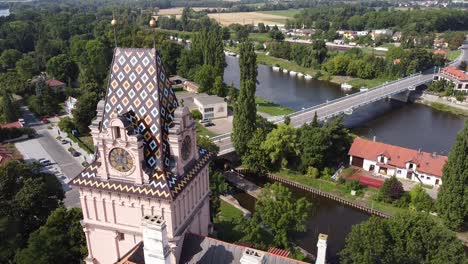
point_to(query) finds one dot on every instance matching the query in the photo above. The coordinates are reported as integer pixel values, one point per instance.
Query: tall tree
(85, 111)
(62, 68)
(9, 114)
(281, 145)
(245, 109)
(410, 238)
(452, 202)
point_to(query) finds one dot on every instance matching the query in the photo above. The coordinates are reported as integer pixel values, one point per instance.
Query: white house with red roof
(455, 75)
(389, 160)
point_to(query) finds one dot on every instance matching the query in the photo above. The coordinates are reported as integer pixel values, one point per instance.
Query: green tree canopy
(391, 190)
(282, 146)
(85, 111)
(60, 239)
(9, 58)
(62, 68)
(452, 202)
(412, 238)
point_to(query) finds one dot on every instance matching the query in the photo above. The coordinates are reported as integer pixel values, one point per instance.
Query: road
(348, 103)
(65, 166)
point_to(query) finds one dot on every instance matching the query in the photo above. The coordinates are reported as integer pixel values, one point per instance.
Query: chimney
(155, 242)
(252, 256)
(374, 138)
(321, 249)
(434, 154)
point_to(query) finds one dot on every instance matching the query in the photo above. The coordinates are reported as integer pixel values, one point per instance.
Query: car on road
(45, 162)
(76, 153)
(208, 124)
(45, 120)
(64, 141)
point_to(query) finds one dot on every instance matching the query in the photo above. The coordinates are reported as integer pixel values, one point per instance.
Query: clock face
(186, 147)
(120, 159)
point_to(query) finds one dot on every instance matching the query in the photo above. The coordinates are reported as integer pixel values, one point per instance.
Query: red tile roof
(398, 156)
(440, 52)
(16, 124)
(456, 73)
(53, 83)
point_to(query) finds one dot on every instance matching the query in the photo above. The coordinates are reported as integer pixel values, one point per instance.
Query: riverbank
(442, 104)
(270, 108)
(264, 59)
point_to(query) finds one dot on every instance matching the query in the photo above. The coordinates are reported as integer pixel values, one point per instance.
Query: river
(394, 122)
(4, 12)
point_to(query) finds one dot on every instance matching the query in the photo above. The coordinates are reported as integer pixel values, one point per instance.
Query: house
(380, 33)
(390, 160)
(338, 42)
(440, 52)
(146, 196)
(56, 85)
(16, 124)
(211, 106)
(362, 33)
(440, 43)
(70, 104)
(455, 75)
(350, 35)
(177, 80)
(191, 87)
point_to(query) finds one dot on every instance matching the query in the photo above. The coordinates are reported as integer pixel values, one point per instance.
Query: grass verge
(358, 82)
(449, 109)
(225, 222)
(203, 131)
(453, 54)
(270, 108)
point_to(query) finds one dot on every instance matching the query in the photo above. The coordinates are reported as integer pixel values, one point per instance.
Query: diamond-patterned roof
(139, 91)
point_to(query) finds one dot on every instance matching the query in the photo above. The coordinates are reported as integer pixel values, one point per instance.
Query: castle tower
(147, 163)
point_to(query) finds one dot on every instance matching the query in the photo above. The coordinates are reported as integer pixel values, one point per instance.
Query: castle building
(145, 198)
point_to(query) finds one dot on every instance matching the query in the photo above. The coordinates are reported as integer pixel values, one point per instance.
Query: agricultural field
(290, 13)
(244, 18)
(176, 11)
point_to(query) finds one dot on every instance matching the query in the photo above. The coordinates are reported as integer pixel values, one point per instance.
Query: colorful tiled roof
(141, 94)
(398, 156)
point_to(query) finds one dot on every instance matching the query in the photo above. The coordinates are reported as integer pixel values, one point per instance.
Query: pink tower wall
(112, 221)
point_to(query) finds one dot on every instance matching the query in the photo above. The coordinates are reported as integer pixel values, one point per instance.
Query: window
(398, 171)
(382, 159)
(209, 109)
(428, 177)
(117, 132)
(410, 165)
(220, 109)
(211, 115)
(120, 236)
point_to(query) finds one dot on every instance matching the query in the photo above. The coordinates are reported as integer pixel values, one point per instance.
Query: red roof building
(54, 83)
(440, 52)
(390, 160)
(455, 75)
(16, 124)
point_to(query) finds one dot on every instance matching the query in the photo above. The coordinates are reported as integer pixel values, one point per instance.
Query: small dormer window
(382, 159)
(411, 166)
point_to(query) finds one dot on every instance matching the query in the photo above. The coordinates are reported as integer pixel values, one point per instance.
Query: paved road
(348, 103)
(46, 146)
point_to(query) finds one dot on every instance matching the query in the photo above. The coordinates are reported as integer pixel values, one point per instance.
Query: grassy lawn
(87, 141)
(286, 13)
(225, 222)
(358, 82)
(450, 109)
(370, 50)
(270, 108)
(260, 37)
(203, 132)
(453, 54)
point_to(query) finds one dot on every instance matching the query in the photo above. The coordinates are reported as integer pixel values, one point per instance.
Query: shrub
(391, 190)
(312, 172)
(196, 115)
(327, 173)
(354, 185)
(420, 200)
(11, 133)
(66, 124)
(404, 201)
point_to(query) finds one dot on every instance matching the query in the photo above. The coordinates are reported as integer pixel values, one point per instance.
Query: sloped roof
(398, 156)
(16, 124)
(53, 83)
(456, 73)
(139, 92)
(205, 250)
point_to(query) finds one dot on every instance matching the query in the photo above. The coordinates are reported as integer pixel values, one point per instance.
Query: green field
(453, 54)
(369, 83)
(270, 108)
(203, 132)
(290, 13)
(225, 222)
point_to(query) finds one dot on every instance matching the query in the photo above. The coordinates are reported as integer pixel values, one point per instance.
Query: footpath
(430, 98)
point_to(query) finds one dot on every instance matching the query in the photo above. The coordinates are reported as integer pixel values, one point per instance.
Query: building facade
(458, 77)
(389, 160)
(211, 106)
(147, 164)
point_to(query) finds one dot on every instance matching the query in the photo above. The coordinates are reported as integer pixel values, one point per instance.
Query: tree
(85, 111)
(205, 78)
(66, 124)
(27, 67)
(420, 200)
(196, 114)
(410, 238)
(281, 214)
(218, 186)
(391, 190)
(61, 238)
(219, 87)
(62, 68)
(255, 158)
(261, 27)
(314, 145)
(245, 110)
(9, 114)
(452, 204)
(9, 58)
(276, 35)
(281, 145)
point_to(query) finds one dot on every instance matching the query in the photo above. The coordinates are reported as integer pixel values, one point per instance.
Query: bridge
(347, 104)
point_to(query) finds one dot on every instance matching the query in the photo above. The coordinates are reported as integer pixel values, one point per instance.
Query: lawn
(371, 50)
(453, 54)
(259, 37)
(225, 222)
(203, 132)
(290, 13)
(447, 108)
(88, 142)
(369, 83)
(270, 108)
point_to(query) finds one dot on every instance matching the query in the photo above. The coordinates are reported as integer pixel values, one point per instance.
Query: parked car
(76, 154)
(64, 141)
(208, 124)
(45, 162)
(204, 121)
(45, 120)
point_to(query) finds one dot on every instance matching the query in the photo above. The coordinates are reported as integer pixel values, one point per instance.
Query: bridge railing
(351, 95)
